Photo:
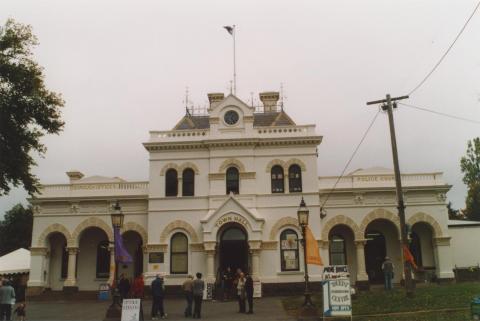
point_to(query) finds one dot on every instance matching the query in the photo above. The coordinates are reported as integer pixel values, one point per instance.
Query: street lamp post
(303, 214)
(114, 311)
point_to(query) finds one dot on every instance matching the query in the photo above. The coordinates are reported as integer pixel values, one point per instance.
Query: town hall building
(223, 191)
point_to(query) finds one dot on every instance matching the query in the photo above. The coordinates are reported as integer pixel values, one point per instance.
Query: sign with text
(131, 310)
(336, 298)
(331, 272)
(155, 257)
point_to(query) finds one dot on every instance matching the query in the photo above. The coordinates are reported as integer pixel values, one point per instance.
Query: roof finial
(187, 112)
(281, 96)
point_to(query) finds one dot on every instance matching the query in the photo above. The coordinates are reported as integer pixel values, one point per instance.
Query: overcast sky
(122, 68)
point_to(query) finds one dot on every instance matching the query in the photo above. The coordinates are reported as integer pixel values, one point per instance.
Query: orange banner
(313, 254)
(409, 257)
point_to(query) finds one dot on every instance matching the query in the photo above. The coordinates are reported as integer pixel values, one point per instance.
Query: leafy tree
(16, 229)
(453, 214)
(470, 166)
(28, 110)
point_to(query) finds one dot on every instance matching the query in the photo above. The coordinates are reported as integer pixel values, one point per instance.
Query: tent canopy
(17, 261)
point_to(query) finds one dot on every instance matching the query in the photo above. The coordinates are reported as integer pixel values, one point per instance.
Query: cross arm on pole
(381, 101)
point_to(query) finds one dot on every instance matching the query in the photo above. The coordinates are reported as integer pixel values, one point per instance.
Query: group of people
(193, 291)
(135, 290)
(238, 285)
(7, 302)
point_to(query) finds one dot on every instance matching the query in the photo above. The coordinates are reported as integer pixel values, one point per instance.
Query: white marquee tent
(14, 262)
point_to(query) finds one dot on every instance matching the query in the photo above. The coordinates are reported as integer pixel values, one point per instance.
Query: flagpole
(234, 65)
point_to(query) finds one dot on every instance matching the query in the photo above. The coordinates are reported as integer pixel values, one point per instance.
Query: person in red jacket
(138, 287)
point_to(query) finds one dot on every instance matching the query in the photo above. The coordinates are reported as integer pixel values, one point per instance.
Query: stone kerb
(380, 213)
(132, 226)
(178, 225)
(91, 222)
(55, 228)
(342, 220)
(425, 218)
(281, 223)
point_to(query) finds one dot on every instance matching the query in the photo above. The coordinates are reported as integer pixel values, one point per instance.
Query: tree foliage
(28, 110)
(470, 166)
(16, 229)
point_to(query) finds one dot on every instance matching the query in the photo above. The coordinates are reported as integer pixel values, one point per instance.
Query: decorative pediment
(232, 211)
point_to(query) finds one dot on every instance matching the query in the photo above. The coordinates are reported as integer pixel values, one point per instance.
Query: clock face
(231, 117)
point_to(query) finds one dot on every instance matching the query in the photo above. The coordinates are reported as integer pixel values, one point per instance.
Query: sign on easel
(131, 310)
(337, 299)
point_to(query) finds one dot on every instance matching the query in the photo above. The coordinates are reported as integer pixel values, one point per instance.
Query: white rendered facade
(71, 220)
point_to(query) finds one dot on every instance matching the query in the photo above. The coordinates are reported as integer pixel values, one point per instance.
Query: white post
(72, 263)
(361, 269)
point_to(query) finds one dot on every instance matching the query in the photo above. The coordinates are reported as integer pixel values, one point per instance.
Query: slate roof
(259, 120)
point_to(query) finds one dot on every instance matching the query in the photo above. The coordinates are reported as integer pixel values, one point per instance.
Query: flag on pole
(229, 29)
(407, 255)
(313, 253)
(121, 254)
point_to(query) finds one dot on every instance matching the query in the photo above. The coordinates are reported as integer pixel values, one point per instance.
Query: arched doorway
(341, 250)
(133, 243)
(375, 252)
(233, 248)
(422, 249)
(93, 260)
(382, 240)
(57, 261)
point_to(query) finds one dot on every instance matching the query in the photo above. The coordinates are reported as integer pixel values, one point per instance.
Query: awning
(14, 262)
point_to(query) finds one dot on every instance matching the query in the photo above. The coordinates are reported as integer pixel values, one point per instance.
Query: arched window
(179, 254)
(171, 183)
(278, 185)
(103, 260)
(64, 269)
(338, 253)
(233, 181)
(289, 258)
(294, 178)
(188, 182)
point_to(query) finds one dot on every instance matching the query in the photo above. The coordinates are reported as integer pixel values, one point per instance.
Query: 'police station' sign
(336, 298)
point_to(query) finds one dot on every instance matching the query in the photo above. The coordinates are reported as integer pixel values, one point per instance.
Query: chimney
(215, 99)
(74, 175)
(269, 100)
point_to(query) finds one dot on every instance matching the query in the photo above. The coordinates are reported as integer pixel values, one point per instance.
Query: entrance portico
(232, 235)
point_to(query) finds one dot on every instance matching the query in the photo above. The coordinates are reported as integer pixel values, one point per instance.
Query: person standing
(158, 292)
(387, 268)
(241, 292)
(188, 291)
(228, 278)
(123, 286)
(138, 287)
(198, 287)
(7, 298)
(249, 292)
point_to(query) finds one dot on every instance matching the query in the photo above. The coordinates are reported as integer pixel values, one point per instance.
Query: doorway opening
(233, 248)
(375, 252)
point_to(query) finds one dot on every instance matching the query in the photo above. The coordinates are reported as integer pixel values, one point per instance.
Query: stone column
(145, 258)
(255, 252)
(362, 276)
(210, 251)
(36, 281)
(71, 281)
(180, 185)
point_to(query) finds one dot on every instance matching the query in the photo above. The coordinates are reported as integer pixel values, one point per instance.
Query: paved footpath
(268, 309)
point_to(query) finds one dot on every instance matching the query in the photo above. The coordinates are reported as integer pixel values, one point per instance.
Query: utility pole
(388, 104)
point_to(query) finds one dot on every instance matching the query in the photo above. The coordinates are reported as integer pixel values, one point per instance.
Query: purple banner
(121, 254)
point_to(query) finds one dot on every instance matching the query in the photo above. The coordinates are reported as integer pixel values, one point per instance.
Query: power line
(351, 158)
(446, 52)
(441, 114)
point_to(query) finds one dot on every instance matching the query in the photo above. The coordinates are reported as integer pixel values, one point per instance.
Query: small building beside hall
(223, 191)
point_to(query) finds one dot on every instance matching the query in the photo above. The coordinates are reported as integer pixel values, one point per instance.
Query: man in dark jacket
(123, 286)
(7, 294)
(158, 292)
(249, 292)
